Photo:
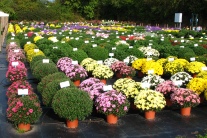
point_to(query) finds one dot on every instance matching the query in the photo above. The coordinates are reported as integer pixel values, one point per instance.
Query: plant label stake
(23, 92)
(204, 68)
(111, 55)
(145, 85)
(45, 61)
(75, 62)
(192, 59)
(64, 84)
(15, 64)
(107, 88)
(75, 49)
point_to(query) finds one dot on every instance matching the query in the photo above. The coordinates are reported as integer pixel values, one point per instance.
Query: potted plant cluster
(185, 99)
(149, 101)
(113, 104)
(72, 104)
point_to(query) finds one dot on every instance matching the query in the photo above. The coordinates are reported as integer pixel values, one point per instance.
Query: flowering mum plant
(29, 46)
(102, 72)
(195, 67)
(12, 46)
(116, 66)
(12, 90)
(92, 86)
(127, 71)
(166, 88)
(129, 60)
(121, 42)
(15, 55)
(149, 100)
(63, 63)
(198, 85)
(87, 61)
(202, 74)
(171, 68)
(15, 73)
(31, 53)
(183, 62)
(75, 72)
(152, 80)
(181, 76)
(148, 51)
(185, 98)
(112, 102)
(137, 64)
(152, 65)
(128, 87)
(24, 110)
(110, 61)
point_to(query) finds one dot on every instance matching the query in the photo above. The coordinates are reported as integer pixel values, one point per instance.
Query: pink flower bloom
(30, 110)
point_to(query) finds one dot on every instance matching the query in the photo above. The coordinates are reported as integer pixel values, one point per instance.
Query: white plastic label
(75, 49)
(113, 48)
(29, 42)
(195, 45)
(75, 62)
(36, 50)
(181, 46)
(178, 83)
(86, 42)
(15, 64)
(111, 54)
(45, 61)
(171, 59)
(107, 87)
(130, 46)
(16, 50)
(22, 91)
(192, 59)
(64, 84)
(94, 45)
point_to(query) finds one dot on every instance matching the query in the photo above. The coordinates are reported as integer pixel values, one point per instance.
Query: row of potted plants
(23, 104)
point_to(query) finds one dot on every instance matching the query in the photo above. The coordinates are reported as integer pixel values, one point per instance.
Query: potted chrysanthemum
(92, 86)
(149, 101)
(116, 67)
(63, 63)
(194, 67)
(166, 88)
(76, 73)
(110, 61)
(127, 71)
(184, 77)
(113, 104)
(23, 111)
(185, 98)
(152, 80)
(102, 72)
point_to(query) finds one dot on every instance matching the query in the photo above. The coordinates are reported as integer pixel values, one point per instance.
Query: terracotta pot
(76, 83)
(103, 81)
(24, 127)
(194, 75)
(168, 102)
(72, 124)
(185, 111)
(129, 77)
(112, 119)
(118, 75)
(140, 74)
(149, 115)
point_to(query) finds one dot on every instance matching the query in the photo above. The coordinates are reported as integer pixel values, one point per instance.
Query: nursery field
(109, 80)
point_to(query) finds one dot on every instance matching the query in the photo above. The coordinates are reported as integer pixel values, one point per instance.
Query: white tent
(4, 19)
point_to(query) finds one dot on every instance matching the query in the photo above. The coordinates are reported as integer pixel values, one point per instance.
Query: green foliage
(49, 78)
(51, 88)
(35, 59)
(44, 69)
(184, 50)
(98, 53)
(72, 103)
(33, 65)
(135, 52)
(78, 55)
(199, 50)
